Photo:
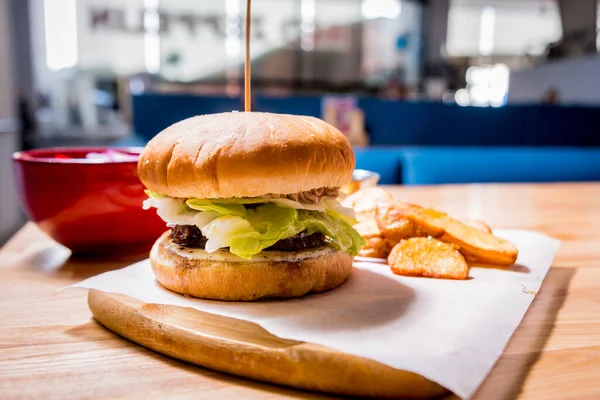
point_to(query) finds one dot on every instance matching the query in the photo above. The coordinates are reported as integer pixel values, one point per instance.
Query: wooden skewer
(248, 97)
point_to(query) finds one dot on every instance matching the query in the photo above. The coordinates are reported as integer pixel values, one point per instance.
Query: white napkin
(451, 332)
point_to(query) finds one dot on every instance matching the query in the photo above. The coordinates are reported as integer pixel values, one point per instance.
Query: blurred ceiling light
(487, 30)
(233, 46)
(60, 31)
(470, 76)
(373, 9)
(232, 8)
(488, 85)
(462, 97)
(151, 36)
(307, 25)
(499, 84)
(479, 96)
(478, 75)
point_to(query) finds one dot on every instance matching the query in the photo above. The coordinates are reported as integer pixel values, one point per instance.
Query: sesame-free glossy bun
(245, 154)
(271, 275)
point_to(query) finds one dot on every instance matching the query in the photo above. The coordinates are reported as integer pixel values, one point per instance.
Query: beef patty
(190, 236)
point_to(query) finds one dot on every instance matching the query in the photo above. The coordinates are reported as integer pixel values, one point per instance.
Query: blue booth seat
(399, 123)
(428, 142)
(384, 161)
(423, 166)
(443, 165)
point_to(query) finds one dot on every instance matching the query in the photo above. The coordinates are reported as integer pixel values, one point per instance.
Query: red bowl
(90, 205)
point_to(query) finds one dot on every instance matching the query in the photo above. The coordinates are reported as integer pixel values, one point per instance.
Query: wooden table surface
(50, 347)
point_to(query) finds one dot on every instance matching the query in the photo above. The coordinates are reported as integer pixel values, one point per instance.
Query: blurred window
(91, 54)
(501, 27)
(190, 40)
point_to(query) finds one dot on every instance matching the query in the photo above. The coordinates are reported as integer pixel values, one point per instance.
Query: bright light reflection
(60, 32)
(487, 85)
(462, 97)
(233, 46)
(151, 36)
(487, 30)
(373, 9)
(307, 25)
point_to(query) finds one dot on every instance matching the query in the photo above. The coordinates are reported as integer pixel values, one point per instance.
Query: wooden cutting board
(245, 349)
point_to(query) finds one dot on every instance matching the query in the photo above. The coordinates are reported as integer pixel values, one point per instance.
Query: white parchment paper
(451, 332)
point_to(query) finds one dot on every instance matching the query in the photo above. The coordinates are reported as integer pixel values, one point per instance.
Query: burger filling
(191, 236)
(248, 226)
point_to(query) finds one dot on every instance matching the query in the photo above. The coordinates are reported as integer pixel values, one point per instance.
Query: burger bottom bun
(273, 275)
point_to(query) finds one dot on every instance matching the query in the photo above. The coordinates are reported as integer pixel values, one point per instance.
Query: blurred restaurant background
(428, 91)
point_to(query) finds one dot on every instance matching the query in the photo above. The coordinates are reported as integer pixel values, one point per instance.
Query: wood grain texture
(51, 348)
(245, 349)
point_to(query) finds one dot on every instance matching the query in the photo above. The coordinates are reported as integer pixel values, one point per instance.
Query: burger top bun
(245, 154)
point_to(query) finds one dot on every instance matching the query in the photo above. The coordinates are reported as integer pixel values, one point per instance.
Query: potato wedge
(473, 243)
(392, 224)
(428, 257)
(395, 225)
(368, 228)
(482, 226)
(376, 247)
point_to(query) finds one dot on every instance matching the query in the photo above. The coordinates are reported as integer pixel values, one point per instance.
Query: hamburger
(251, 200)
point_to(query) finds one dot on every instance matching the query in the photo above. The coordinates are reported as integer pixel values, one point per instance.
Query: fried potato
(473, 243)
(395, 226)
(392, 224)
(366, 201)
(428, 257)
(368, 228)
(376, 247)
(351, 187)
(482, 226)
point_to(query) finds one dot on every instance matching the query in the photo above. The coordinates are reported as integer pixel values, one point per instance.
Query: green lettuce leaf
(341, 234)
(222, 208)
(274, 223)
(248, 231)
(267, 224)
(233, 232)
